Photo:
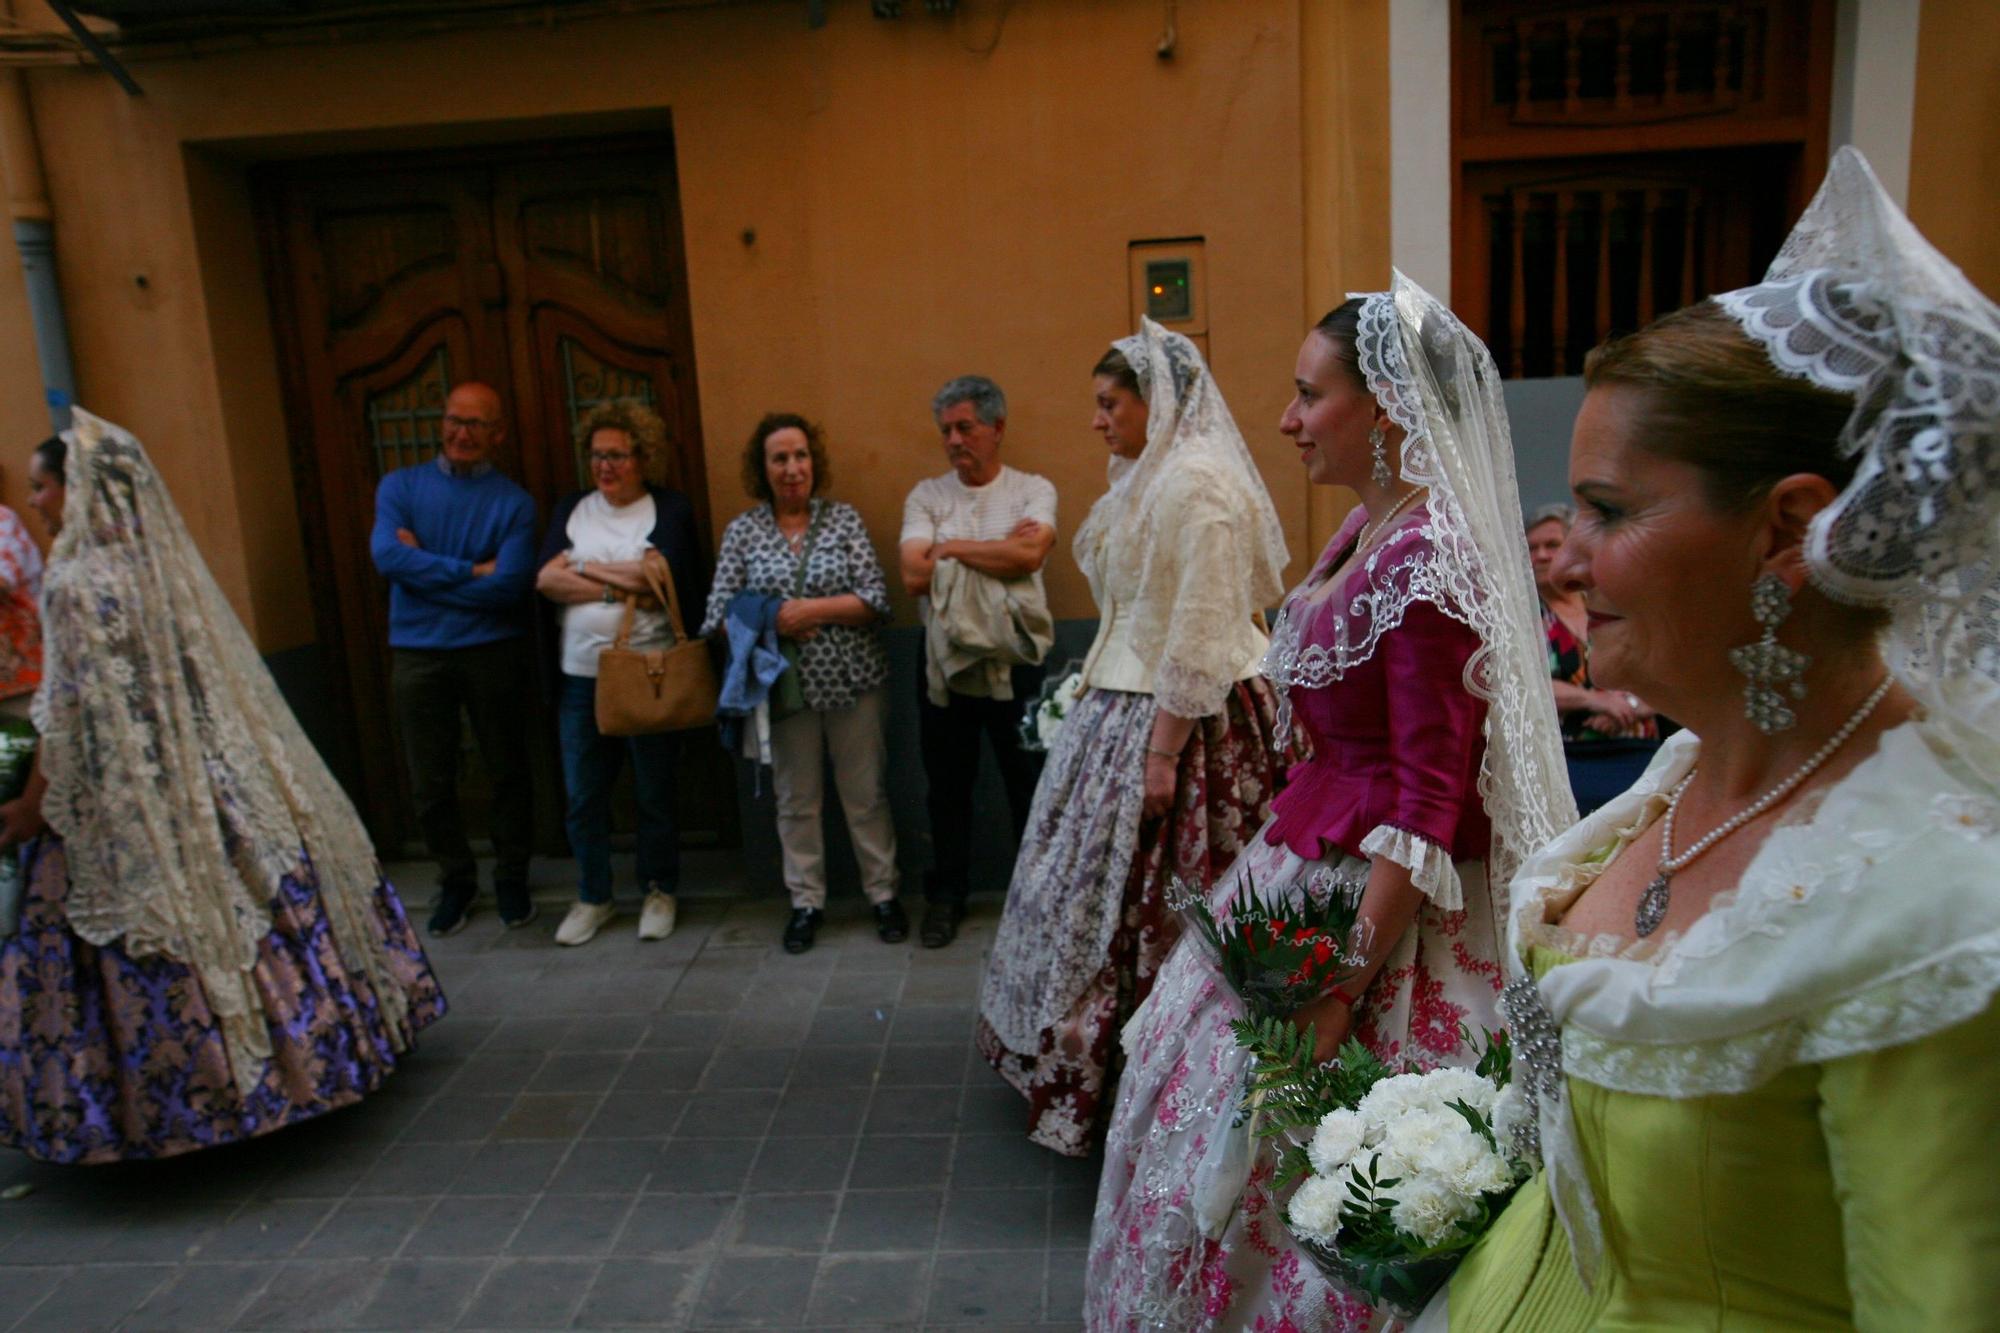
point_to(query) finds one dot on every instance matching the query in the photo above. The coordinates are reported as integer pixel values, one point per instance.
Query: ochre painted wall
(1955, 136)
(924, 206)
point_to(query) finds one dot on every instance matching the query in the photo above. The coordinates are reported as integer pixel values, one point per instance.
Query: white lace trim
(1925, 1000)
(1430, 865)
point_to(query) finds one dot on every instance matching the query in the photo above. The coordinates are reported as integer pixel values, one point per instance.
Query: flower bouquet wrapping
(1399, 1172)
(1043, 718)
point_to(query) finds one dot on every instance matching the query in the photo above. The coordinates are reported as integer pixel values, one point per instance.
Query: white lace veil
(1191, 442)
(1857, 301)
(1438, 382)
(180, 781)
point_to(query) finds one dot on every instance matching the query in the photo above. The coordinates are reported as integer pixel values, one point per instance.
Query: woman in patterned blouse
(810, 561)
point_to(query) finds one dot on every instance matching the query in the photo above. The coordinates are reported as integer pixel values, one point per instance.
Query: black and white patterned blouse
(841, 662)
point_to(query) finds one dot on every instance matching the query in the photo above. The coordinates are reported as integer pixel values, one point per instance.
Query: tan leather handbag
(672, 688)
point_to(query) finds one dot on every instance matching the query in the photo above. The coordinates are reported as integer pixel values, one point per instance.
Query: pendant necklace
(1653, 902)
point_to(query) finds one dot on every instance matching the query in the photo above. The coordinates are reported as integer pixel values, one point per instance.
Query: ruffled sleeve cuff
(1187, 692)
(1429, 864)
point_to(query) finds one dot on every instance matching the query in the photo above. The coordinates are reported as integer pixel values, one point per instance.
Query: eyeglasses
(602, 460)
(469, 423)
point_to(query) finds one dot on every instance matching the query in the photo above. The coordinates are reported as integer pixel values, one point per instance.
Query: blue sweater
(435, 600)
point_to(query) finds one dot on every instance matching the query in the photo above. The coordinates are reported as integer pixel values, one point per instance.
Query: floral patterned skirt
(1176, 1153)
(104, 1057)
(1227, 776)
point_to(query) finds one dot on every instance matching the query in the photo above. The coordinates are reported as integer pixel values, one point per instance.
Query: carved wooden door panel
(552, 272)
(389, 302)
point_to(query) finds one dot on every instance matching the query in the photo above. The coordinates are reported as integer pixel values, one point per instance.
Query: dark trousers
(494, 684)
(950, 741)
(590, 762)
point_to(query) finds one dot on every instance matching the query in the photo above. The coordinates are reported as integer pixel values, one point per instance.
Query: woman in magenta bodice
(1412, 655)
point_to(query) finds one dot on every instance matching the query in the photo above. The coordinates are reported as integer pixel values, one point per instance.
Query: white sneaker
(583, 922)
(656, 918)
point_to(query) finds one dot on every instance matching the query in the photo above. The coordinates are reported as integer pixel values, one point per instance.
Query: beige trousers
(853, 737)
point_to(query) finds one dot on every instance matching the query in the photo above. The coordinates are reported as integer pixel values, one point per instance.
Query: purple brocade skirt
(104, 1057)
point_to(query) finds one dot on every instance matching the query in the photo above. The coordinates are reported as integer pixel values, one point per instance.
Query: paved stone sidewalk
(699, 1133)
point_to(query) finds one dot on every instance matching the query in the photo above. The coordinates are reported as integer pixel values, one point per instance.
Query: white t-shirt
(599, 531)
(946, 509)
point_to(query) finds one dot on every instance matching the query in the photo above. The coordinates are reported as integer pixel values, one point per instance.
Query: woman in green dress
(1755, 1023)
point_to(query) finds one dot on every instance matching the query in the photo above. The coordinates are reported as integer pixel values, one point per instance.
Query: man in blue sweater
(456, 540)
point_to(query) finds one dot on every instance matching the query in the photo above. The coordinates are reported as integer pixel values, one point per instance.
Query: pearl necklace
(1653, 902)
(1375, 529)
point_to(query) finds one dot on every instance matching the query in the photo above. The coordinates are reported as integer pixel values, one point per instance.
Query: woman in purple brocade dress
(206, 949)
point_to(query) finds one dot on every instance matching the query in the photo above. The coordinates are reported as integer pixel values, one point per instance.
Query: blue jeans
(590, 762)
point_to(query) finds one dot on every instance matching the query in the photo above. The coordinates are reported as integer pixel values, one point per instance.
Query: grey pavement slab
(701, 1134)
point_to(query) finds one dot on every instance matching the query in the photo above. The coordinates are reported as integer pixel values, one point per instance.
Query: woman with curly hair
(593, 556)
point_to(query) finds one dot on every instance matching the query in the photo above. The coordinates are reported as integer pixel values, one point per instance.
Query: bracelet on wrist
(1338, 993)
(1164, 754)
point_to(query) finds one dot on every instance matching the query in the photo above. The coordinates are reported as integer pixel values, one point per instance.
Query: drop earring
(1770, 670)
(1379, 443)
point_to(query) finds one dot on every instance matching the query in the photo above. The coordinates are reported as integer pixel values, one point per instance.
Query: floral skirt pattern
(1227, 776)
(1175, 1150)
(104, 1057)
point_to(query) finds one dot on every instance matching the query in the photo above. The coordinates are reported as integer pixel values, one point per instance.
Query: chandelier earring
(1770, 670)
(1378, 443)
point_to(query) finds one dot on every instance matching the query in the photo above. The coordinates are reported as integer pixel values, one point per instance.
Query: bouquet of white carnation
(1042, 719)
(1399, 1172)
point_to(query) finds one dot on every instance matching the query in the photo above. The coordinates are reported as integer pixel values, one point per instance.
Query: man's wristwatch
(610, 593)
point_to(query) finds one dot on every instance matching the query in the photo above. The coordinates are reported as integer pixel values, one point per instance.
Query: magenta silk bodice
(1397, 737)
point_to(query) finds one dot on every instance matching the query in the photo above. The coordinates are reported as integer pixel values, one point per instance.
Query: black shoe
(454, 908)
(800, 929)
(890, 923)
(516, 905)
(941, 923)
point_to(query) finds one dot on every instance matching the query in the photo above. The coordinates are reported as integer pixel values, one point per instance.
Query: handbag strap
(660, 578)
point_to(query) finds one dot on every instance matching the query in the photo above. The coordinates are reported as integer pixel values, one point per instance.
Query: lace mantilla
(1858, 302)
(1465, 553)
(180, 781)
(1192, 516)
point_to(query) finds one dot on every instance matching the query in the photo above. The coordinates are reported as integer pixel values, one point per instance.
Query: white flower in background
(1430, 1210)
(1341, 1134)
(1314, 1213)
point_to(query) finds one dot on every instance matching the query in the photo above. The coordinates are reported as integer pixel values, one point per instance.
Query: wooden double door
(554, 272)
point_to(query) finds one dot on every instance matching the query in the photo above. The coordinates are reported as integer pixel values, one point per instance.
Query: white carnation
(1446, 1086)
(1417, 1136)
(1392, 1098)
(1314, 1212)
(1430, 1210)
(1466, 1164)
(1341, 1134)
